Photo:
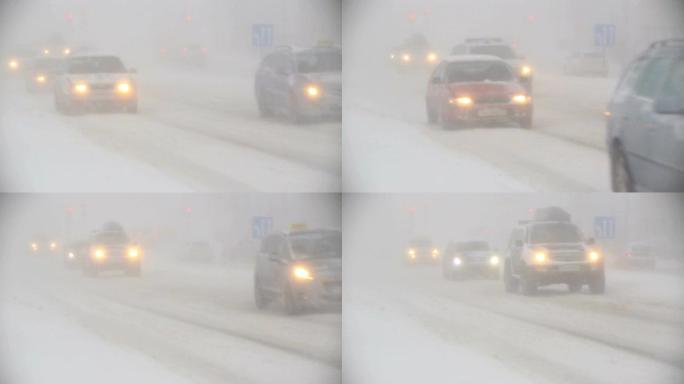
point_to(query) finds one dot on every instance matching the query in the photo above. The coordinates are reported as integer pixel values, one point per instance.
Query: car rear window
(502, 51)
(476, 71)
(317, 62)
(102, 64)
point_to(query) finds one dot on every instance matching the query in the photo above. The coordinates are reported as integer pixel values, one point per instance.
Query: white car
(96, 82)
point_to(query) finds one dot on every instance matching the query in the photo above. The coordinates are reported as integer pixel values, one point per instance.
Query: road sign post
(604, 227)
(261, 226)
(262, 35)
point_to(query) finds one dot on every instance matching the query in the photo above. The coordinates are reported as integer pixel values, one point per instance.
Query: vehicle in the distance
(75, 253)
(550, 249)
(301, 268)
(637, 255)
(586, 64)
(40, 74)
(468, 89)
(95, 82)
(470, 259)
(300, 84)
(421, 250)
(645, 120)
(110, 249)
(499, 48)
(414, 52)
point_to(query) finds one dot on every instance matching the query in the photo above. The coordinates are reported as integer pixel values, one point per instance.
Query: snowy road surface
(196, 131)
(175, 324)
(388, 146)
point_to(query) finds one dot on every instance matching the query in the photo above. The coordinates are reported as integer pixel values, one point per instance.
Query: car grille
(567, 256)
(102, 87)
(496, 99)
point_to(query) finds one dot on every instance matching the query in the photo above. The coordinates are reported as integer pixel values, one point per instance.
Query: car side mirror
(591, 241)
(132, 71)
(669, 106)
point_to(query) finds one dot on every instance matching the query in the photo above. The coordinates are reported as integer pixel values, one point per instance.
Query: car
(198, 251)
(75, 253)
(421, 250)
(110, 249)
(470, 258)
(301, 268)
(499, 48)
(17, 59)
(475, 88)
(586, 63)
(41, 73)
(550, 249)
(94, 82)
(43, 245)
(414, 52)
(645, 122)
(637, 255)
(300, 84)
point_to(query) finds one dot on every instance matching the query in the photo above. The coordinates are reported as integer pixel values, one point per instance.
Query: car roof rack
(484, 40)
(674, 42)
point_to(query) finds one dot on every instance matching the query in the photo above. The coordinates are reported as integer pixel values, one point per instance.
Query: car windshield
(48, 64)
(474, 246)
(317, 62)
(477, 71)
(102, 64)
(317, 245)
(555, 233)
(111, 237)
(421, 243)
(502, 51)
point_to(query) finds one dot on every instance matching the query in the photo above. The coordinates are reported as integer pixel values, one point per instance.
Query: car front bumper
(490, 113)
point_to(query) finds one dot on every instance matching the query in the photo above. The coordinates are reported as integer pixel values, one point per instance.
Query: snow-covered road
(196, 131)
(176, 324)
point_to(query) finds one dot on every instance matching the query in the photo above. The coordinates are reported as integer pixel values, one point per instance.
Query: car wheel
(510, 282)
(597, 282)
(260, 299)
(291, 302)
(444, 121)
(526, 122)
(293, 114)
(528, 285)
(132, 108)
(432, 116)
(621, 177)
(574, 287)
(264, 110)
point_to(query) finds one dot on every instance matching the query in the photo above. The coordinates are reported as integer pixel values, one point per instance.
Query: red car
(476, 88)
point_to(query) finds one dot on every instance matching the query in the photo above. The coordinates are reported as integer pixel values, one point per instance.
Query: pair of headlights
(493, 261)
(122, 88)
(467, 101)
(100, 254)
(541, 257)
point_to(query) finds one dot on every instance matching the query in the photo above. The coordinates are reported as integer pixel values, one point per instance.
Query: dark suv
(645, 122)
(550, 249)
(303, 268)
(300, 84)
(111, 249)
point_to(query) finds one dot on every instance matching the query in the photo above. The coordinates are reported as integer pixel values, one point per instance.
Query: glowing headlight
(594, 256)
(81, 88)
(525, 70)
(457, 261)
(71, 255)
(53, 245)
(41, 79)
(392, 56)
(66, 51)
(312, 91)
(13, 64)
(540, 257)
(301, 273)
(494, 260)
(520, 99)
(406, 58)
(462, 102)
(34, 246)
(46, 52)
(435, 253)
(124, 88)
(133, 253)
(431, 57)
(99, 254)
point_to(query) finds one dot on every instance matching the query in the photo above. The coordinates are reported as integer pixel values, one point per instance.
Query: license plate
(492, 112)
(569, 268)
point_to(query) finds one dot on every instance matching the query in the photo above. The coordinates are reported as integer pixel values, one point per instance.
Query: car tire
(511, 284)
(528, 286)
(260, 299)
(526, 122)
(89, 271)
(620, 175)
(597, 282)
(293, 115)
(262, 106)
(290, 301)
(432, 116)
